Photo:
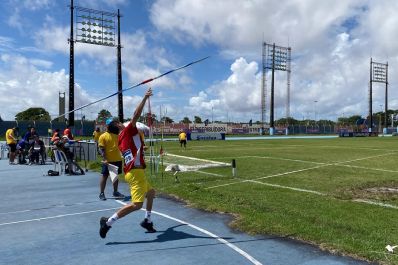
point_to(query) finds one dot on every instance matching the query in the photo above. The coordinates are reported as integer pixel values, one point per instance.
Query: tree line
(40, 114)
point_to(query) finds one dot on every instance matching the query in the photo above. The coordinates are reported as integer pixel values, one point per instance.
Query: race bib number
(128, 157)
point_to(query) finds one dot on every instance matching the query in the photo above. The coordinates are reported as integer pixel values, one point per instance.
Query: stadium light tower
(274, 58)
(99, 28)
(315, 101)
(378, 74)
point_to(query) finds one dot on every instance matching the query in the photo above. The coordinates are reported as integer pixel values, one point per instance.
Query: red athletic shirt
(132, 148)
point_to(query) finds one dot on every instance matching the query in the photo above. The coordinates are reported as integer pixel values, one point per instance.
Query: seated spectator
(21, 151)
(55, 137)
(64, 146)
(68, 132)
(30, 136)
(37, 151)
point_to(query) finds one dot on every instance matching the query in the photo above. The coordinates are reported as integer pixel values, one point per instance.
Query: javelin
(134, 86)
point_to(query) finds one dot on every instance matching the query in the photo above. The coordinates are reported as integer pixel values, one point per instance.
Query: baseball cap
(111, 119)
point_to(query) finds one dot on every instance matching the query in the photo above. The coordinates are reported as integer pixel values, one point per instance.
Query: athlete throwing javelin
(132, 148)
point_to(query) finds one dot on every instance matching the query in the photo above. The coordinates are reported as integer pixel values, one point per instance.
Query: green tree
(197, 119)
(103, 115)
(33, 114)
(289, 121)
(349, 120)
(166, 119)
(144, 118)
(326, 122)
(186, 120)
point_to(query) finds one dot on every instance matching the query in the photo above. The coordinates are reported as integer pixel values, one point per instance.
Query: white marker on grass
(233, 168)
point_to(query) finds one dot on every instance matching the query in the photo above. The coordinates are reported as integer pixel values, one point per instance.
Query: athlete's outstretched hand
(148, 93)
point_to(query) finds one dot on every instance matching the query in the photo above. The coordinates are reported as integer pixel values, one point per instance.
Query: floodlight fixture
(98, 23)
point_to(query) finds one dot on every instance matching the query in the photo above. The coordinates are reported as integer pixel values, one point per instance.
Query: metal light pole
(379, 74)
(381, 110)
(99, 28)
(71, 116)
(274, 58)
(119, 71)
(315, 101)
(212, 114)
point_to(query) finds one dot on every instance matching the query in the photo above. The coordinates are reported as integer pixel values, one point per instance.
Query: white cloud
(26, 86)
(53, 38)
(332, 43)
(241, 25)
(238, 94)
(100, 4)
(41, 63)
(36, 4)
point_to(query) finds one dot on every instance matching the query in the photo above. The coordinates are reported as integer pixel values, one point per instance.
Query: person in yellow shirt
(108, 146)
(11, 140)
(96, 134)
(182, 137)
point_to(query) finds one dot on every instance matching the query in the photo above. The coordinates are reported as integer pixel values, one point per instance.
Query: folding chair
(60, 161)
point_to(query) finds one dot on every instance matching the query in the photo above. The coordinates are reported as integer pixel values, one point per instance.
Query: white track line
(350, 147)
(208, 173)
(270, 176)
(240, 251)
(385, 205)
(199, 159)
(287, 187)
(56, 216)
(370, 168)
(321, 163)
(286, 159)
(296, 171)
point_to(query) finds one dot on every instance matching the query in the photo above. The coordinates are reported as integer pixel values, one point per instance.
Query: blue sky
(331, 41)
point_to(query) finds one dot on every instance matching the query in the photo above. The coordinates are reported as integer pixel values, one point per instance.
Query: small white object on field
(172, 168)
(390, 248)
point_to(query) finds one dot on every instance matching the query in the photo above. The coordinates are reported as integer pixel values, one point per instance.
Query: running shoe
(118, 195)
(104, 228)
(102, 196)
(148, 226)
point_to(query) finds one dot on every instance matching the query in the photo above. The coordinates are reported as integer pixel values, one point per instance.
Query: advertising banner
(206, 136)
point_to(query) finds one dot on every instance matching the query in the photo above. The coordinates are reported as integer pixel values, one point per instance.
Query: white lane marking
(385, 205)
(351, 147)
(370, 168)
(287, 187)
(198, 159)
(296, 171)
(270, 176)
(56, 216)
(240, 251)
(208, 173)
(287, 159)
(322, 163)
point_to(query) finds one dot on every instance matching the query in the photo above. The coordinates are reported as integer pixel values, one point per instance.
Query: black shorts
(105, 171)
(183, 142)
(13, 147)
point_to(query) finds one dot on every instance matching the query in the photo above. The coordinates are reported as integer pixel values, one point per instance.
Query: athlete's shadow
(168, 235)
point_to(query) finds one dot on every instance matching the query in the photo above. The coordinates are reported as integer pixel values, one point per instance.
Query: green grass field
(340, 194)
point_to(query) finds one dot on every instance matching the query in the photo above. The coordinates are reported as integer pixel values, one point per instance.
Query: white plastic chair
(60, 161)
